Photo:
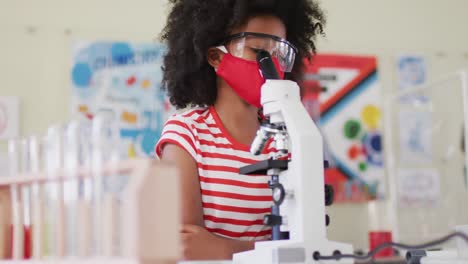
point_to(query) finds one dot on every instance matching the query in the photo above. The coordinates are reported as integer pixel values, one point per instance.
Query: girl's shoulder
(188, 117)
(200, 120)
(181, 129)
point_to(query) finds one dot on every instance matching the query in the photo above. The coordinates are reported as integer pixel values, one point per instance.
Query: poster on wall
(411, 72)
(9, 117)
(123, 81)
(415, 137)
(418, 188)
(351, 124)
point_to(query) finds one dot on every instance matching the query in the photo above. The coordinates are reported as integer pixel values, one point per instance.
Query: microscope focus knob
(327, 220)
(278, 194)
(272, 220)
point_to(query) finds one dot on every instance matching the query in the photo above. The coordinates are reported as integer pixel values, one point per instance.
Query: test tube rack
(151, 213)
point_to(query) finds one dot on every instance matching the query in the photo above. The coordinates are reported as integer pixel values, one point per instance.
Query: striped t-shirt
(233, 204)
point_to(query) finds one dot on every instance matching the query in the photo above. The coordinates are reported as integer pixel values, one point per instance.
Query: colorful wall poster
(418, 188)
(415, 136)
(9, 117)
(122, 80)
(351, 124)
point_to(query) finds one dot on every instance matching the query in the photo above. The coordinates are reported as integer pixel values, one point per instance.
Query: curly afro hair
(193, 26)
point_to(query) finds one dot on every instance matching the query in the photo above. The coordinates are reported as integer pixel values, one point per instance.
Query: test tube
(55, 222)
(71, 186)
(61, 217)
(49, 197)
(85, 194)
(97, 154)
(26, 198)
(112, 188)
(17, 218)
(37, 199)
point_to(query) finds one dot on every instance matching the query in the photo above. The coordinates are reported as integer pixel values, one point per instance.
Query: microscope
(298, 218)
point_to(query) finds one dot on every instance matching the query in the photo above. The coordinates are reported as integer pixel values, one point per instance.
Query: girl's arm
(198, 243)
(192, 210)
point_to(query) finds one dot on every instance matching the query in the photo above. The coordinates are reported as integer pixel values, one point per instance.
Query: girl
(210, 66)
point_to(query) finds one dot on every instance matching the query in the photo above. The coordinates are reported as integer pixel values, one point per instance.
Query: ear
(214, 57)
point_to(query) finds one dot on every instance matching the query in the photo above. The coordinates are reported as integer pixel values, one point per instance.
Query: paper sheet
(411, 72)
(418, 188)
(415, 133)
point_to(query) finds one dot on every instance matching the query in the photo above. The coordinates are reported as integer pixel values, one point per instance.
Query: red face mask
(244, 77)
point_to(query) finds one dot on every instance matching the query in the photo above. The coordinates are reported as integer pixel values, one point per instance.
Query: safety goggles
(247, 44)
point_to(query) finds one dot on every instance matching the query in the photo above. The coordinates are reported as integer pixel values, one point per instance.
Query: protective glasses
(247, 44)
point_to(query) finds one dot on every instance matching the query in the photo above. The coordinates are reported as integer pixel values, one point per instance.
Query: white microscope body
(303, 210)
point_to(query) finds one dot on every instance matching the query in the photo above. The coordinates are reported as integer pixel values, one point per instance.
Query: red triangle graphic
(364, 64)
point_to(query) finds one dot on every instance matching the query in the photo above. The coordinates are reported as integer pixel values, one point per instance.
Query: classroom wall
(36, 42)
(36, 39)
(386, 29)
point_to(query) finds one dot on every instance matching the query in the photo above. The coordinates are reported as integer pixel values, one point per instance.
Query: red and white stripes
(233, 204)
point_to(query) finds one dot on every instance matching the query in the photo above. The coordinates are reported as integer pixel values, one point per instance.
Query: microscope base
(283, 251)
(445, 261)
(440, 257)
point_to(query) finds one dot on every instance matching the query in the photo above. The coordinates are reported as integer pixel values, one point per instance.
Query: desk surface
(396, 260)
(382, 261)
